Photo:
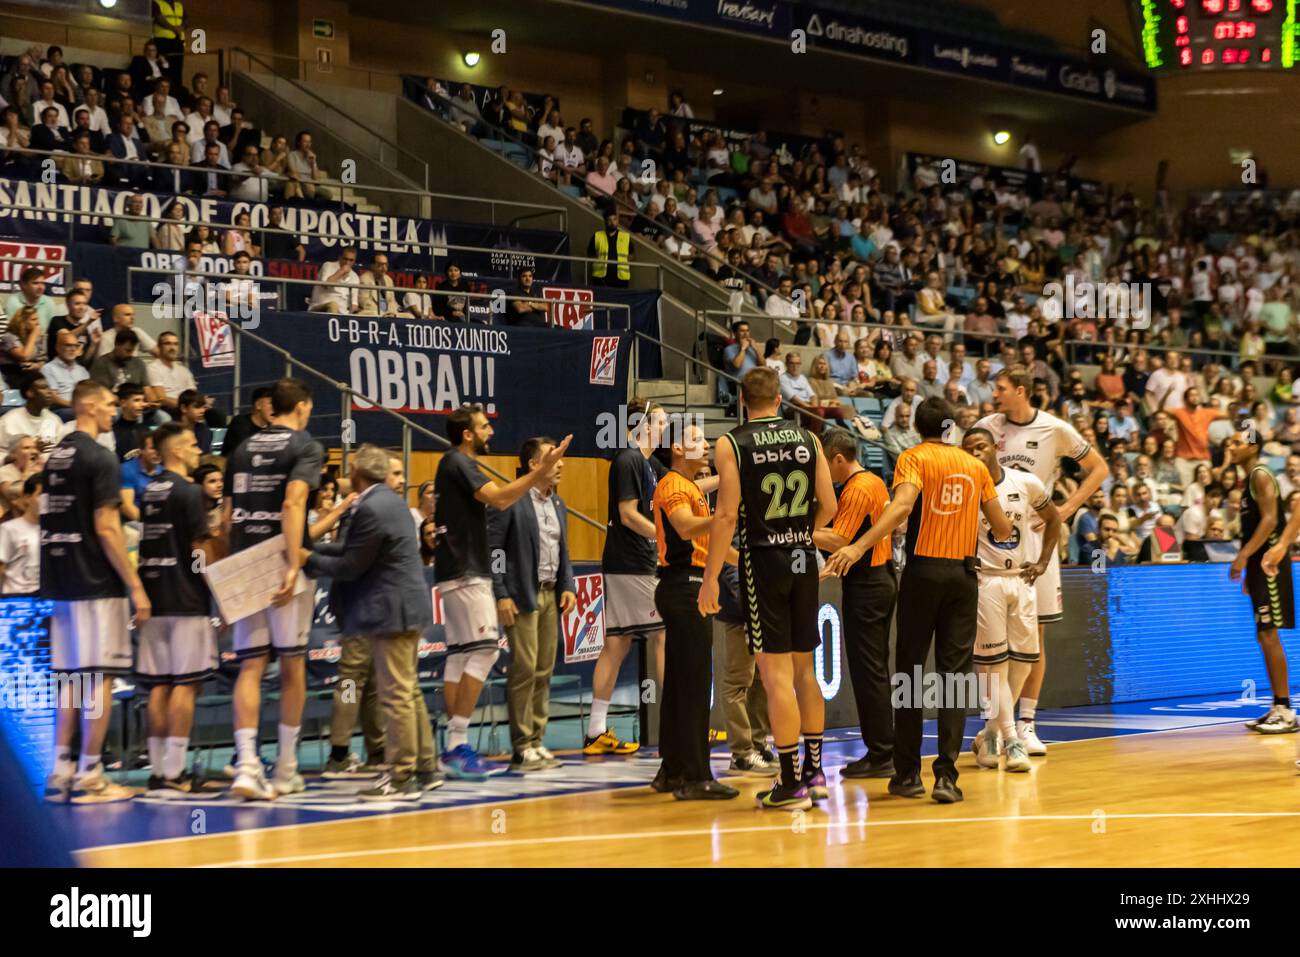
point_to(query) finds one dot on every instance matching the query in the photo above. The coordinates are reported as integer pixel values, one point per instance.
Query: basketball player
(86, 571)
(268, 480)
(870, 588)
(938, 596)
(628, 563)
(178, 645)
(1006, 634)
(682, 521)
(775, 482)
(1035, 441)
(464, 571)
(1270, 594)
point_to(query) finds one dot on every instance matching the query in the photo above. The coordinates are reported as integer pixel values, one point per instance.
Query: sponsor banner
(583, 626)
(505, 251)
(529, 381)
(770, 18)
(51, 253)
(969, 59)
(860, 36)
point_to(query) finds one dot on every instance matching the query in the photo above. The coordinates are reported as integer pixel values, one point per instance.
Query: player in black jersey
(178, 645)
(774, 480)
(268, 479)
(1270, 594)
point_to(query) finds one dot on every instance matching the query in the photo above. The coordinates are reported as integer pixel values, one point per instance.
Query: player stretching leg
(1034, 441)
(774, 480)
(1006, 635)
(1270, 594)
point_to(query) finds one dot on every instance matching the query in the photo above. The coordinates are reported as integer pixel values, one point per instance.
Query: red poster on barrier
(216, 342)
(583, 626)
(572, 309)
(54, 255)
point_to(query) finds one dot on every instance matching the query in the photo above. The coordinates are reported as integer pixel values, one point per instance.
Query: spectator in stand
(30, 292)
(193, 407)
(120, 364)
(781, 304)
(980, 389)
(169, 375)
(23, 461)
(842, 366)
(464, 110)
(378, 294)
(907, 396)
(123, 318)
(908, 363)
(129, 428)
(63, 372)
(276, 244)
(32, 418)
(47, 100)
(305, 174)
(932, 306)
(981, 329)
(1167, 384)
(210, 178)
(899, 435)
(523, 313)
(50, 135)
(416, 302)
(827, 392)
(127, 144)
(452, 304)
(249, 181)
(131, 233)
(247, 424)
(612, 247)
(82, 168)
(1194, 419)
(149, 67)
(341, 298)
(21, 345)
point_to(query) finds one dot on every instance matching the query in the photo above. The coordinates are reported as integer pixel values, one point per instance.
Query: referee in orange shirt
(870, 588)
(681, 514)
(939, 592)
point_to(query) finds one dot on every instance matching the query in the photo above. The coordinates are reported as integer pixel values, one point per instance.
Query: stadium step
(670, 390)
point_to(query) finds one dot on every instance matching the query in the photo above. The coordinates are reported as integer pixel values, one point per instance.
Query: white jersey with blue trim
(1020, 495)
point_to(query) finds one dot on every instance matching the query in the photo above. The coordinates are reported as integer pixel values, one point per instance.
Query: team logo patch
(583, 625)
(1013, 497)
(604, 360)
(1031, 445)
(572, 309)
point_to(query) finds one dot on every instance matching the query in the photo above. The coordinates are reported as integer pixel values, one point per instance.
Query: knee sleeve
(478, 663)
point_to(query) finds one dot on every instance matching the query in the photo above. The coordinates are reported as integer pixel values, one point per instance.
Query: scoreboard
(1181, 36)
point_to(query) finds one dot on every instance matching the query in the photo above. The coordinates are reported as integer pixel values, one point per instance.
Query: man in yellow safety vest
(169, 34)
(613, 246)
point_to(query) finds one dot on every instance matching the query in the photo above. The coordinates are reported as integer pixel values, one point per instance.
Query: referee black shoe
(705, 791)
(664, 784)
(946, 791)
(908, 787)
(863, 768)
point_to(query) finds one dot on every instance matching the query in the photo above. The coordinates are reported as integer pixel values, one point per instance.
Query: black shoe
(864, 768)
(769, 756)
(946, 791)
(155, 783)
(705, 791)
(664, 784)
(908, 787)
(429, 780)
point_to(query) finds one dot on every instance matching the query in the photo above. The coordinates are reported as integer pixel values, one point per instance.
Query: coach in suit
(378, 591)
(533, 586)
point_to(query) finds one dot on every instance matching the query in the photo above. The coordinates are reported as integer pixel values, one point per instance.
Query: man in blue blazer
(533, 583)
(378, 591)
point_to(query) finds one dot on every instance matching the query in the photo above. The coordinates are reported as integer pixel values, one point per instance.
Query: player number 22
(776, 485)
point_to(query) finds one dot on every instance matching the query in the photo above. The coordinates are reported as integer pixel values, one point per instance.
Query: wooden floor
(1215, 796)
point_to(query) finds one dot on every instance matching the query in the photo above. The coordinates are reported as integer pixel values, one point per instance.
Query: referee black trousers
(688, 678)
(868, 600)
(937, 602)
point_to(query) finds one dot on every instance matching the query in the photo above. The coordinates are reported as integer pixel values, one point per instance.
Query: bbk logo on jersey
(798, 454)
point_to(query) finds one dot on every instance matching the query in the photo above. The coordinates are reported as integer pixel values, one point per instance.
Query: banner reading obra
(529, 381)
(25, 212)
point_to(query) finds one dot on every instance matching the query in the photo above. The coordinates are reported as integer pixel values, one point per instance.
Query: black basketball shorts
(779, 588)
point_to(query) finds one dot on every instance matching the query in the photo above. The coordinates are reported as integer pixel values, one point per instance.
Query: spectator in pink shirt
(981, 329)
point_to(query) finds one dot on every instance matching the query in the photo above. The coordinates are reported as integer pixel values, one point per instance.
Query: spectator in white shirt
(304, 172)
(418, 303)
(250, 182)
(209, 135)
(171, 108)
(1167, 384)
(169, 373)
(569, 154)
(337, 299)
(124, 318)
(32, 418)
(222, 107)
(781, 304)
(48, 101)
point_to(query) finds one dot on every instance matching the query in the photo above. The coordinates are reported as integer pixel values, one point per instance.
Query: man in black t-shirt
(268, 480)
(178, 645)
(86, 572)
(248, 423)
(628, 562)
(129, 429)
(462, 493)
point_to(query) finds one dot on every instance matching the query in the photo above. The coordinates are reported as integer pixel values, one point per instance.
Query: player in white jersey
(1006, 636)
(1035, 441)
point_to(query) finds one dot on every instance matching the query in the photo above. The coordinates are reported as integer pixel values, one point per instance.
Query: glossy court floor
(1166, 783)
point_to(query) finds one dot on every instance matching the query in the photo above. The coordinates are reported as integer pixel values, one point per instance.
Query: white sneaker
(58, 788)
(1254, 723)
(986, 755)
(290, 782)
(93, 787)
(1034, 747)
(551, 760)
(250, 783)
(1279, 720)
(1017, 756)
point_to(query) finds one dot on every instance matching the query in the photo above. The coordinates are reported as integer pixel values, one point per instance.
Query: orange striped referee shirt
(862, 500)
(676, 491)
(953, 485)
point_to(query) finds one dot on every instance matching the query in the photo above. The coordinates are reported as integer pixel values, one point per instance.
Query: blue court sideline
(148, 819)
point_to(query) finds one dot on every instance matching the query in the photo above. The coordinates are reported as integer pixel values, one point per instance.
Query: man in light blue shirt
(737, 359)
(843, 366)
(795, 388)
(63, 372)
(1123, 424)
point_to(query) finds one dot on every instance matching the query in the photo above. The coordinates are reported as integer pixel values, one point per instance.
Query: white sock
(156, 748)
(88, 762)
(598, 722)
(246, 746)
(64, 766)
(1027, 708)
(287, 759)
(457, 731)
(173, 761)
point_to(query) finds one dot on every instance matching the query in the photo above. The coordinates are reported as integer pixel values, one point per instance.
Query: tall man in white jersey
(1035, 441)
(1006, 639)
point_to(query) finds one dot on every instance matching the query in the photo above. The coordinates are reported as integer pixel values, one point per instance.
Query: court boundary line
(538, 797)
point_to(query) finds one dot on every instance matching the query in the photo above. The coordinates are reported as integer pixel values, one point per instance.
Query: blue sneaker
(462, 763)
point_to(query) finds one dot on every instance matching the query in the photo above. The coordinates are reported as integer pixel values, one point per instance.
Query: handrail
(408, 425)
(67, 29)
(65, 264)
(254, 58)
(639, 217)
(107, 159)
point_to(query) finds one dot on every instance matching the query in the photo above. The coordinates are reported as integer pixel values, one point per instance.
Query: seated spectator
(22, 462)
(159, 124)
(464, 110)
(417, 303)
(899, 435)
(120, 364)
(1110, 542)
(97, 143)
(908, 395)
(930, 386)
(377, 296)
(123, 319)
(249, 423)
(63, 372)
(127, 144)
(1086, 533)
(50, 135)
(139, 468)
(1194, 521)
(131, 233)
(209, 177)
(448, 305)
(827, 391)
(194, 407)
(239, 237)
(30, 292)
(932, 306)
(842, 366)
(980, 328)
(14, 135)
(32, 418)
(47, 100)
(276, 244)
(338, 298)
(523, 313)
(250, 179)
(170, 234)
(781, 304)
(22, 345)
(169, 375)
(305, 174)
(149, 69)
(908, 363)
(129, 428)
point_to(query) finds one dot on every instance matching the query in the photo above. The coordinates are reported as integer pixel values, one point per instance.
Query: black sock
(338, 752)
(786, 754)
(812, 753)
(1283, 700)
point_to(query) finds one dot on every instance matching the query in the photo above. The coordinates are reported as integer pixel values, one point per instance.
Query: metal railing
(235, 177)
(61, 264)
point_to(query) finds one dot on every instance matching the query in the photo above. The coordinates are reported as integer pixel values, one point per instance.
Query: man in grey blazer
(533, 584)
(378, 590)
